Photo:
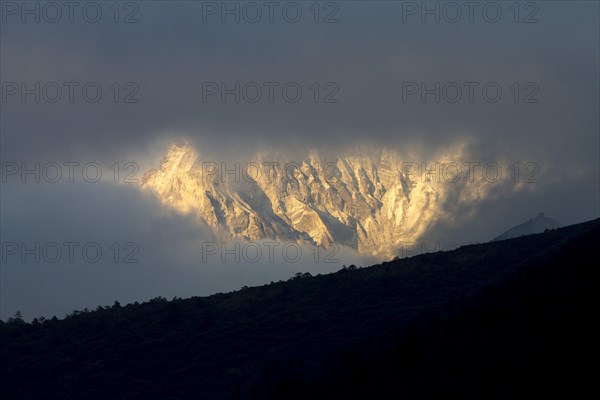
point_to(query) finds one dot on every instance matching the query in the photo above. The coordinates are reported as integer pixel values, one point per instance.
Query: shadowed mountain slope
(535, 225)
(497, 320)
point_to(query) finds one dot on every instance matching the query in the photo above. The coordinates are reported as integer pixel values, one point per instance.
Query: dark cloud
(368, 54)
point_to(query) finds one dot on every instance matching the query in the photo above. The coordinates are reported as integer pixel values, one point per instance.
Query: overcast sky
(364, 70)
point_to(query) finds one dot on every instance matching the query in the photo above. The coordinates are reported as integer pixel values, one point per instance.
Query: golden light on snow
(372, 203)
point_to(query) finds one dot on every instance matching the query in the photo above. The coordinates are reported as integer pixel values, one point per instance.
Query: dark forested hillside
(505, 319)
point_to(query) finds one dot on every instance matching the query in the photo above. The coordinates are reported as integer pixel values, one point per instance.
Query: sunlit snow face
(374, 201)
